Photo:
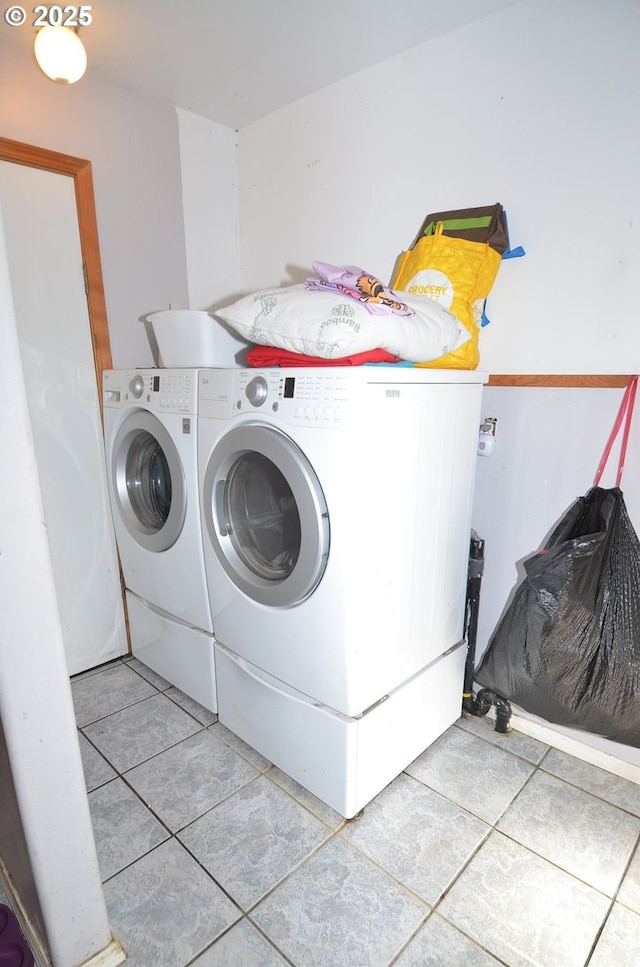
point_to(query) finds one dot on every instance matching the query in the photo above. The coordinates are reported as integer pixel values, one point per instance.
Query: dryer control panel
(307, 396)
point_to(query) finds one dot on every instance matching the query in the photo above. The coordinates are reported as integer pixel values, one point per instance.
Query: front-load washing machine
(150, 431)
(336, 511)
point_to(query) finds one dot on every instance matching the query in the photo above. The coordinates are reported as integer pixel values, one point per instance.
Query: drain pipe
(482, 702)
(474, 579)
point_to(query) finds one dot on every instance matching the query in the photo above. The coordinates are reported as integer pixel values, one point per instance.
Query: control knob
(256, 391)
(137, 386)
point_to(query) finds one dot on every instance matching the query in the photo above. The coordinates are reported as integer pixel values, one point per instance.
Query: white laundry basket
(186, 338)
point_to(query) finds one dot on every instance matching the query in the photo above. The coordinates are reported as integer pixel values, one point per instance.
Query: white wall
(209, 170)
(132, 143)
(209, 165)
(535, 107)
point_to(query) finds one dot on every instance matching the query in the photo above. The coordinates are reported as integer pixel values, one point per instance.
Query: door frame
(80, 170)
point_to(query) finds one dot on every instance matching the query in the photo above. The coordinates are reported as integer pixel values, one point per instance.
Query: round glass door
(266, 515)
(262, 517)
(148, 482)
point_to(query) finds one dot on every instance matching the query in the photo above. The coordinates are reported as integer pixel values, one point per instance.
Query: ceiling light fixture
(60, 54)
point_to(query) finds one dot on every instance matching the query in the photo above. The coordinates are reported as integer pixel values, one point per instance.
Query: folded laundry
(356, 283)
(324, 323)
(271, 356)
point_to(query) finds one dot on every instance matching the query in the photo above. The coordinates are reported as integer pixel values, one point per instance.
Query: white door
(47, 281)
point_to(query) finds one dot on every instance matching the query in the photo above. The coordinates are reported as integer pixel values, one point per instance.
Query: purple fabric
(357, 284)
(14, 950)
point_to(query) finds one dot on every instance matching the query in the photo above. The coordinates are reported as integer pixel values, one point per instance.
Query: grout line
(304, 805)
(154, 755)
(257, 927)
(581, 751)
(540, 766)
(463, 868)
(562, 869)
(599, 931)
(596, 795)
(392, 876)
(635, 851)
(496, 745)
(215, 805)
(137, 701)
(209, 874)
(412, 936)
(90, 672)
(305, 859)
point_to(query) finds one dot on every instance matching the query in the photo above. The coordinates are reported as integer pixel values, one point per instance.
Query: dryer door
(148, 482)
(266, 515)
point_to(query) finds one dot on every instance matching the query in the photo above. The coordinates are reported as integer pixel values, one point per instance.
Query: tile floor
(487, 850)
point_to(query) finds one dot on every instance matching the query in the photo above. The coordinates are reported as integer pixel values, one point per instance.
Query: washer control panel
(160, 390)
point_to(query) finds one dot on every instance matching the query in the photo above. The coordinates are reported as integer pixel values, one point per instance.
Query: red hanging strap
(625, 414)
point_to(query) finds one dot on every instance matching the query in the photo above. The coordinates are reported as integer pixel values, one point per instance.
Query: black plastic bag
(568, 646)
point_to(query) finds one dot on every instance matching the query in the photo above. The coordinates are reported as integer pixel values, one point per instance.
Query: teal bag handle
(511, 253)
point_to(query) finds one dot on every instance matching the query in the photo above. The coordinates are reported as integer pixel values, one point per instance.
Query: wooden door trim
(80, 170)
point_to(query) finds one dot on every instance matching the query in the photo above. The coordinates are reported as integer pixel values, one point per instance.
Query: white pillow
(330, 325)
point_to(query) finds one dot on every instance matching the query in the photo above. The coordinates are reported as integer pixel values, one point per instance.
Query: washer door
(148, 482)
(266, 515)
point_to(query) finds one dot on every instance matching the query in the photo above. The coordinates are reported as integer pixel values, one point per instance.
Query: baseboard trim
(108, 957)
(580, 750)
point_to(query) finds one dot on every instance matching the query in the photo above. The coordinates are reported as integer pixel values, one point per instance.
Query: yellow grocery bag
(457, 273)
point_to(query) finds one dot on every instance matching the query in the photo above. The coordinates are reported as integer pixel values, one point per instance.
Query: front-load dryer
(336, 506)
(336, 512)
(150, 431)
